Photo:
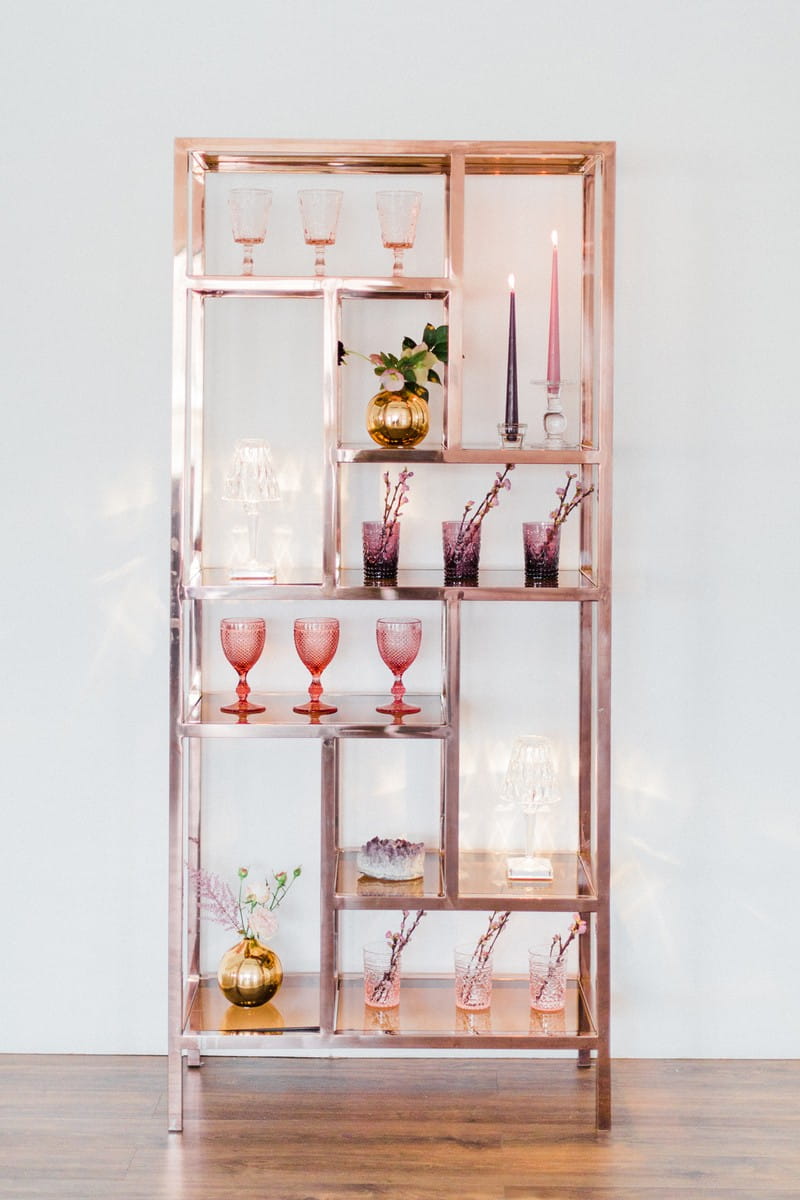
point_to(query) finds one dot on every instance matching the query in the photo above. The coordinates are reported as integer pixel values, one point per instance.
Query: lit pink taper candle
(553, 341)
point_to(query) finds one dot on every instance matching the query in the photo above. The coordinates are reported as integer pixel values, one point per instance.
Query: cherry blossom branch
(398, 942)
(483, 950)
(468, 528)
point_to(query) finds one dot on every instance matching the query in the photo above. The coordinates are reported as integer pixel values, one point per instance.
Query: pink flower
(391, 380)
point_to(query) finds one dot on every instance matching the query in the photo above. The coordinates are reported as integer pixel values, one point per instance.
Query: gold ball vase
(398, 420)
(249, 974)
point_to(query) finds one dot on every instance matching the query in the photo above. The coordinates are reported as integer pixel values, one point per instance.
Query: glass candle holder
(473, 979)
(512, 435)
(548, 981)
(541, 543)
(462, 554)
(381, 976)
(381, 546)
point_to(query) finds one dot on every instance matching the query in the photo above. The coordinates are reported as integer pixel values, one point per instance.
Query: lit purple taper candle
(512, 412)
(553, 340)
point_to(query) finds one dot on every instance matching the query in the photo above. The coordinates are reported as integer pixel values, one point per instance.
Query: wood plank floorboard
(95, 1128)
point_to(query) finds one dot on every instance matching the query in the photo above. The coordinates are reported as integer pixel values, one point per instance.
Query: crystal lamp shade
(531, 783)
(251, 479)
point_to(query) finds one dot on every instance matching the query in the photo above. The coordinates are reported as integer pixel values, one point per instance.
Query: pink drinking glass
(316, 642)
(242, 644)
(398, 646)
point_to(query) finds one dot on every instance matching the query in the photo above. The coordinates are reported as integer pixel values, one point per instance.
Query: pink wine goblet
(316, 642)
(242, 644)
(398, 646)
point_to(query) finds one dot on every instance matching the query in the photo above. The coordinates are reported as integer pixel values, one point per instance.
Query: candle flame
(511, 282)
(554, 236)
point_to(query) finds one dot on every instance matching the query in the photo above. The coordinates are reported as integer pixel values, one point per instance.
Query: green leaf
(408, 343)
(440, 343)
(433, 377)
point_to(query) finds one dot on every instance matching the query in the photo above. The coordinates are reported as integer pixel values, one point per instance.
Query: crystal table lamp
(252, 482)
(530, 786)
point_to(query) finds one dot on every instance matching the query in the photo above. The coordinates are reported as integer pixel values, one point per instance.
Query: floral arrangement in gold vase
(397, 417)
(250, 973)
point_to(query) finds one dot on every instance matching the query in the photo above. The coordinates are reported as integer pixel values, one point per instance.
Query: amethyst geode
(391, 858)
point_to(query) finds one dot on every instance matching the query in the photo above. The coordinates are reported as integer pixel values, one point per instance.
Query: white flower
(263, 924)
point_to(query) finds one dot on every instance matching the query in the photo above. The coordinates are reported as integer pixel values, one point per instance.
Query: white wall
(702, 100)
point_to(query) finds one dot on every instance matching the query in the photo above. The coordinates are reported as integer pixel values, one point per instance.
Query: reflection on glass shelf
(533, 451)
(355, 713)
(428, 583)
(351, 882)
(482, 874)
(214, 582)
(295, 1007)
(427, 1008)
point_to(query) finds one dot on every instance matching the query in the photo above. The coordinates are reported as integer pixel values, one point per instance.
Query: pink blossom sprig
(560, 944)
(250, 913)
(397, 943)
(470, 524)
(393, 501)
(217, 901)
(565, 503)
(577, 927)
(483, 950)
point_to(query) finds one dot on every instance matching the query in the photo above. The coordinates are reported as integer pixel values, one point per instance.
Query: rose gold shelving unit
(324, 1010)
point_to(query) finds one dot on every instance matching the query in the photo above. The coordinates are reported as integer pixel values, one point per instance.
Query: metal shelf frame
(320, 1010)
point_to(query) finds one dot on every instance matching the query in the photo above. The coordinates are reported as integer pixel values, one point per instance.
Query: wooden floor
(411, 1129)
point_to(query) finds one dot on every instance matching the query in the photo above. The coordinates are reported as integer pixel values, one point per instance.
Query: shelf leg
(603, 1112)
(584, 1058)
(175, 1091)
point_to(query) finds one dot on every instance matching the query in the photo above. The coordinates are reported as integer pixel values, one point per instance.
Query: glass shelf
(568, 455)
(482, 878)
(427, 1010)
(425, 287)
(356, 717)
(482, 884)
(295, 1008)
(362, 891)
(424, 583)
(215, 583)
(495, 583)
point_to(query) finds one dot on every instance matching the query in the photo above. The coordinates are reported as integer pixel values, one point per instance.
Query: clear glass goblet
(319, 208)
(249, 209)
(398, 646)
(316, 642)
(397, 213)
(242, 644)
